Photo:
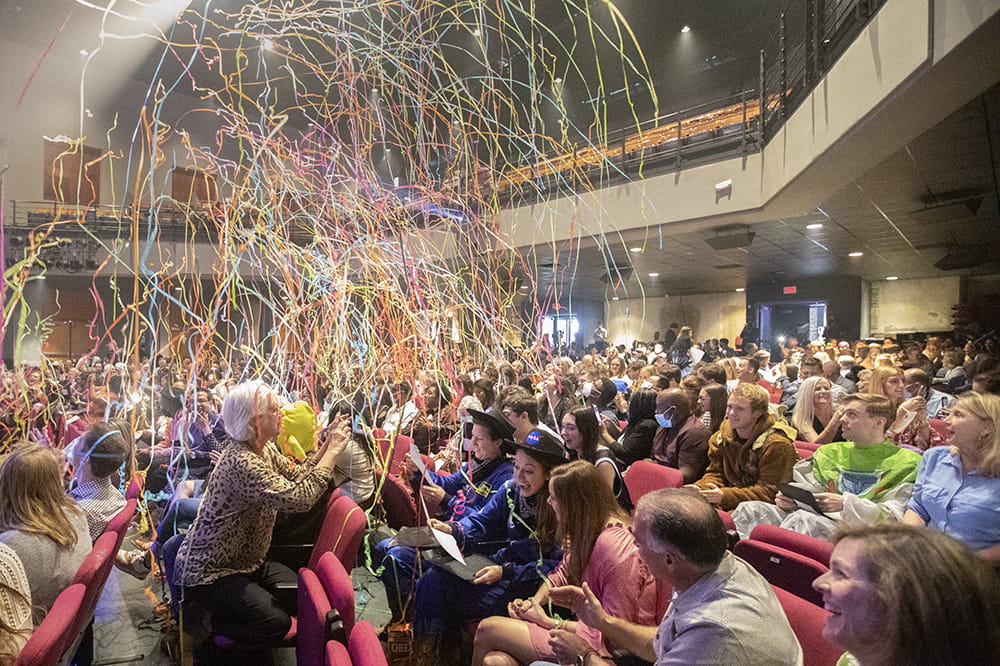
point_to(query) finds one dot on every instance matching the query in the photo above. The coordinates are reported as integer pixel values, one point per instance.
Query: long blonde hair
(32, 497)
(986, 407)
(876, 382)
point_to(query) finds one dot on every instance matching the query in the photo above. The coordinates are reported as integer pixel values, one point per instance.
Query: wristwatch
(581, 659)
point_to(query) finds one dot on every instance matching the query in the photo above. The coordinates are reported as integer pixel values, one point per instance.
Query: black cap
(493, 419)
(542, 445)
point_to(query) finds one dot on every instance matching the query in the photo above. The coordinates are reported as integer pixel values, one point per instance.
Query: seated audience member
(636, 440)
(952, 372)
(99, 455)
(15, 606)
(97, 458)
(600, 396)
(723, 611)
(815, 419)
(222, 561)
(910, 427)
(681, 441)
(197, 429)
(616, 371)
(712, 405)
(669, 374)
(516, 529)
(582, 437)
(403, 417)
(353, 470)
(41, 523)
(352, 473)
(988, 382)
(864, 480)
(451, 498)
(732, 367)
(843, 369)
(913, 358)
(958, 486)
(809, 368)
(838, 385)
(521, 409)
(750, 454)
(903, 596)
(692, 385)
(605, 557)
(712, 373)
(916, 382)
(558, 397)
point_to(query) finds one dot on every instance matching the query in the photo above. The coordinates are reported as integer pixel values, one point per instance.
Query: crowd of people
(523, 461)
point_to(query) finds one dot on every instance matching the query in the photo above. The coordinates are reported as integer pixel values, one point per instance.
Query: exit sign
(790, 290)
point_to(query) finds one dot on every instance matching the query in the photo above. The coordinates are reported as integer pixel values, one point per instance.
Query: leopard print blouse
(233, 529)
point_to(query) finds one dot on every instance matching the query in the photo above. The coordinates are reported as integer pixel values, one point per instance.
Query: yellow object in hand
(297, 436)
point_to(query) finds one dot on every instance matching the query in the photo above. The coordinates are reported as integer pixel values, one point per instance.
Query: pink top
(620, 580)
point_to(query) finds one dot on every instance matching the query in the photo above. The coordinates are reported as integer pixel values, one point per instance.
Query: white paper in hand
(415, 457)
(449, 544)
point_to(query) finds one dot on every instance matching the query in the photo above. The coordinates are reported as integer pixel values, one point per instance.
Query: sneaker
(133, 562)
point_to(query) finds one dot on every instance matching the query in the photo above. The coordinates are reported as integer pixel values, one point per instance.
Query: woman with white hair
(814, 417)
(221, 564)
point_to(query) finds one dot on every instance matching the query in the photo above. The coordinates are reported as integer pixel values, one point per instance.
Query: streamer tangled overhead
(358, 151)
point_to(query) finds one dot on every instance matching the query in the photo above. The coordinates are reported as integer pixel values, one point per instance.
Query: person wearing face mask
(516, 529)
(450, 497)
(636, 440)
(681, 441)
(864, 480)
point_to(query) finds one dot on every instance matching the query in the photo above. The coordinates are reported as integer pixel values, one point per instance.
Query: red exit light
(791, 290)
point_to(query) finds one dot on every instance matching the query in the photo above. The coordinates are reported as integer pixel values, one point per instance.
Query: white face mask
(587, 388)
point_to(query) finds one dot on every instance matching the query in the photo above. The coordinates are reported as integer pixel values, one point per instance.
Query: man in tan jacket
(750, 454)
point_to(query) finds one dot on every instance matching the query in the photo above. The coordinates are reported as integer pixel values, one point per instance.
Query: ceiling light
(477, 33)
(524, 287)
(892, 277)
(686, 28)
(741, 289)
(267, 44)
(654, 275)
(635, 249)
(614, 298)
(84, 52)
(815, 225)
(855, 254)
(558, 79)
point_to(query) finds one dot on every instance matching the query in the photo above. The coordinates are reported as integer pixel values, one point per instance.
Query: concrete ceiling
(904, 215)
